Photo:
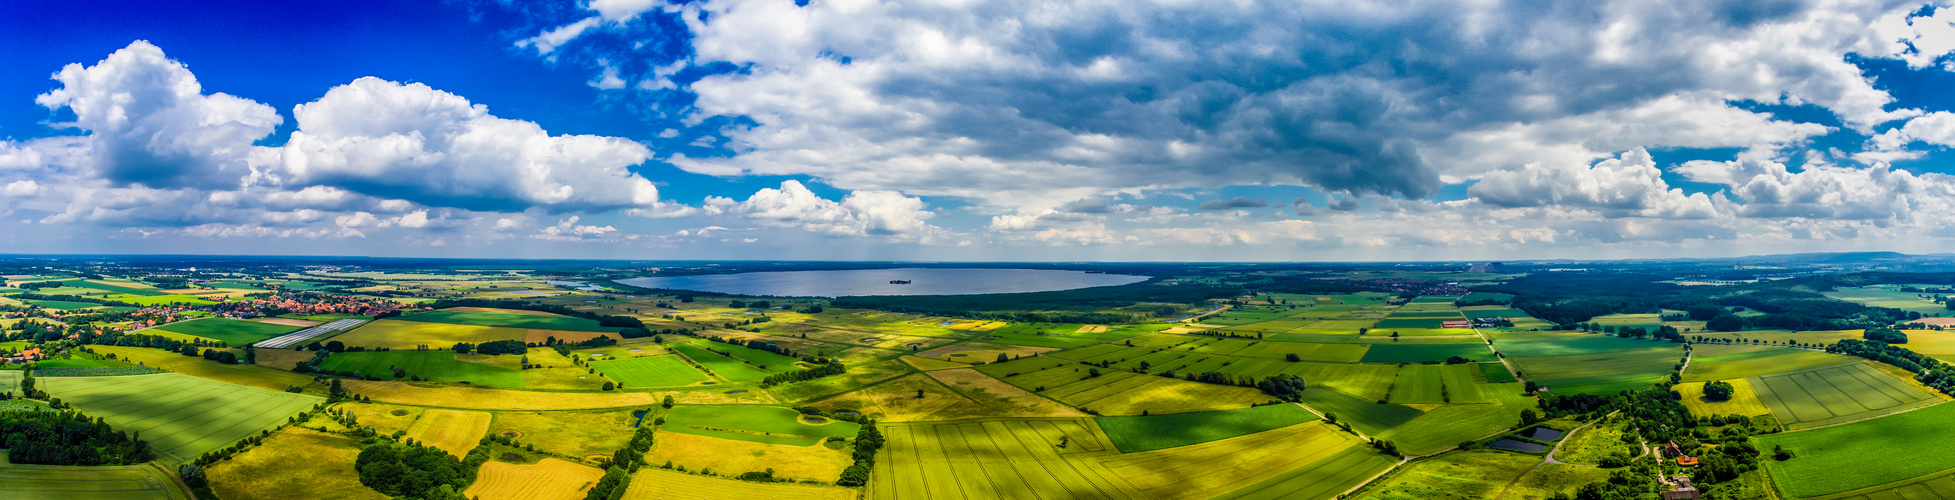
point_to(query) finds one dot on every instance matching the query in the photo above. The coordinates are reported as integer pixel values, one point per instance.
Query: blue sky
(995, 130)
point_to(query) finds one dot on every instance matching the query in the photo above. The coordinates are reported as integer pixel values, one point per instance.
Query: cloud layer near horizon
(1026, 125)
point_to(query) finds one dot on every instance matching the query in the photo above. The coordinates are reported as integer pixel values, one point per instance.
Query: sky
(971, 130)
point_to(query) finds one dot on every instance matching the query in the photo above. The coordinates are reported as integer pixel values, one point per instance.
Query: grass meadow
(754, 423)
(655, 371)
(268, 470)
(1448, 425)
(181, 416)
(442, 365)
(1456, 474)
(1744, 400)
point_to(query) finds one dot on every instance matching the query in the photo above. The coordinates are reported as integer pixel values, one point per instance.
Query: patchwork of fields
(129, 482)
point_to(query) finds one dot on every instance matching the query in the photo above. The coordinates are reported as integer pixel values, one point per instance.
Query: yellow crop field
(397, 334)
(570, 433)
(982, 388)
(535, 336)
(731, 457)
(931, 364)
(659, 484)
(549, 479)
(1012, 458)
(1744, 400)
(293, 463)
(455, 432)
(1091, 329)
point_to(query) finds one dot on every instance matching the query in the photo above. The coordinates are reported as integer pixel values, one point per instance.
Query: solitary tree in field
(1718, 390)
(919, 393)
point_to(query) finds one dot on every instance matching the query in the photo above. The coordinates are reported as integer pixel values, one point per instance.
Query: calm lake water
(877, 282)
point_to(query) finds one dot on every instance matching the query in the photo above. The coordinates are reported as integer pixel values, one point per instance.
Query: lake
(857, 282)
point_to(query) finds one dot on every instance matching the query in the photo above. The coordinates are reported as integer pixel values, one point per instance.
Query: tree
(609, 386)
(668, 402)
(1718, 390)
(1003, 358)
(1703, 312)
(1725, 323)
(1292, 357)
(1529, 417)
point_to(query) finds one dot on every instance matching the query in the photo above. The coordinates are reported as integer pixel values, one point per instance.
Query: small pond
(1517, 445)
(1539, 433)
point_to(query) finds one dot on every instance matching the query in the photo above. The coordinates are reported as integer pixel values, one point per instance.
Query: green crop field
(1888, 296)
(157, 300)
(181, 416)
(1395, 323)
(1415, 353)
(1060, 335)
(1831, 395)
(233, 332)
(1138, 434)
(62, 305)
(728, 368)
(766, 359)
(1322, 479)
(1496, 373)
(1600, 373)
(442, 365)
(1862, 454)
(654, 371)
(1447, 425)
(1368, 416)
(523, 319)
(753, 423)
(1567, 343)
(1435, 384)
(55, 482)
(1723, 362)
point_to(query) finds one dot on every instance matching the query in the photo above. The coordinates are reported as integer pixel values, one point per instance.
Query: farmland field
(174, 411)
(443, 365)
(1837, 394)
(54, 482)
(1414, 353)
(655, 484)
(452, 431)
(1457, 474)
(409, 335)
(1862, 454)
(549, 479)
(255, 376)
(267, 471)
(1138, 434)
(1002, 458)
(508, 319)
(655, 371)
(235, 332)
(1566, 343)
(1599, 373)
(724, 366)
(1744, 400)
(1367, 416)
(1725, 362)
(1447, 425)
(759, 424)
(63, 305)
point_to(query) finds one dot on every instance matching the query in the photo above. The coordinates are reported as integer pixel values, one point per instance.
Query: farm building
(1680, 489)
